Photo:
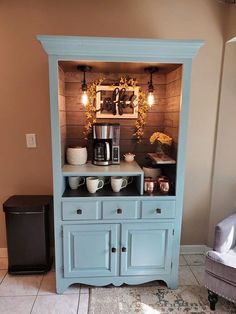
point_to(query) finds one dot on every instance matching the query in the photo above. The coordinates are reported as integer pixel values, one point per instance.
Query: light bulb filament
(84, 98)
(150, 99)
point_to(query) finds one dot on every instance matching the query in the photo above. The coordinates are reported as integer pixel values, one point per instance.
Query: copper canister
(149, 185)
(163, 184)
(146, 180)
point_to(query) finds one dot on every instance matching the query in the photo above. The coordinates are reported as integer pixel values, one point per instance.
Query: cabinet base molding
(64, 283)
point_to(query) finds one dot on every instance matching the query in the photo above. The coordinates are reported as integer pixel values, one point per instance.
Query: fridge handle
(24, 213)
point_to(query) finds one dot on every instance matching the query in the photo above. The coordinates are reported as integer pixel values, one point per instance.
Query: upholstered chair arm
(225, 234)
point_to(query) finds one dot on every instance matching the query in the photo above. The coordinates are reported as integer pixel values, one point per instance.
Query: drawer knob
(123, 249)
(158, 210)
(113, 249)
(119, 211)
(79, 211)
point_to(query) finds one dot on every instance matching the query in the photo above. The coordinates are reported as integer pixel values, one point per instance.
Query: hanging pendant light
(84, 87)
(150, 96)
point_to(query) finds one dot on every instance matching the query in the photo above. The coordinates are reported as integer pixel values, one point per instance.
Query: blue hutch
(110, 238)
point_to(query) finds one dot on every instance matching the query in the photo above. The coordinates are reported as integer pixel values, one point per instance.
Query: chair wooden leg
(212, 298)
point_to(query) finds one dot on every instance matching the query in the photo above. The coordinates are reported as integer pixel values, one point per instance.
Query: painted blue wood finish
(148, 248)
(88, 250)
(156, 209)
(152, 247)
(119, 209)
(83, 210)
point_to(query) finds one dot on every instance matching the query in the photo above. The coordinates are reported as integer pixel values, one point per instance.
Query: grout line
(18, 295)
(88, 302)
(189, 264)
(184, 260)
(37, 293)
(33, 304)
(194, 276)
(3, 278)
(78, 301)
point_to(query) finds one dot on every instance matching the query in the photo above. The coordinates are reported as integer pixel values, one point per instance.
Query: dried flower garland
(90, 111)
(142, 114)
(160, 137)
(142, 107)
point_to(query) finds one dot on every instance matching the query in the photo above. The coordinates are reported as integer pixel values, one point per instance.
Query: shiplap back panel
(163, 116)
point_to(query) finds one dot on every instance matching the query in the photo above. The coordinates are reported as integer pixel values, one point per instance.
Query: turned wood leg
(212, 298)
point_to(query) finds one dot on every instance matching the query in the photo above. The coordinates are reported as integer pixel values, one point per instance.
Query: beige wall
(223, 200)
(230, 28)
(224, 177)
(25, 95)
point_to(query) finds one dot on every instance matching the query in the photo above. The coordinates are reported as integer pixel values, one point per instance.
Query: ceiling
(116, 67)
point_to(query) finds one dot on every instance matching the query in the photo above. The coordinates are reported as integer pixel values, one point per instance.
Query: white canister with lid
(76, 155)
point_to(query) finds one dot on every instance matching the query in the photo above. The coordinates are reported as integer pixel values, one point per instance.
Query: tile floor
(36, 293)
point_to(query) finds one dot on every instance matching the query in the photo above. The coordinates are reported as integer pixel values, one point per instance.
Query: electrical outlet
(30, 140)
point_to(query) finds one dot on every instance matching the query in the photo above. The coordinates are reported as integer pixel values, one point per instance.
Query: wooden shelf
(88, 169)
(157, 193)
(161, 159)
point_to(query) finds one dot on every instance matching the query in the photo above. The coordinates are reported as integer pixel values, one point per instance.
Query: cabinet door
(90, 250)
(146, 248)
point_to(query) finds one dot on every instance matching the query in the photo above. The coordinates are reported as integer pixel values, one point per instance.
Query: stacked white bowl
(154, 173)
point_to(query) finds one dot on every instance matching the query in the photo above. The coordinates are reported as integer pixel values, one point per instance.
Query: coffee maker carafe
(106, 150)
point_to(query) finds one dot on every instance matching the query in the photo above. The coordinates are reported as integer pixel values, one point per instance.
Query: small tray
(161, 158)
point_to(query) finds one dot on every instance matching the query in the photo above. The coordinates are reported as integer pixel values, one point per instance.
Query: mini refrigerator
(27, 227)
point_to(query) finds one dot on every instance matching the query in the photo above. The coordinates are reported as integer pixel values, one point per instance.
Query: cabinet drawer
(120, 209)
(158, 209)
(81, 210)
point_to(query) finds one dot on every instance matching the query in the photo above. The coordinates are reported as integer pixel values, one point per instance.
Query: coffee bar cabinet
(128, 236)
(145, 250)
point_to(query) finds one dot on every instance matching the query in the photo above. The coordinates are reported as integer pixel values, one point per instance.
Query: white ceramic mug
(106, 180)
(75, 182)
(93, 184)
(76, 155)
(118, 183)
(129, 180)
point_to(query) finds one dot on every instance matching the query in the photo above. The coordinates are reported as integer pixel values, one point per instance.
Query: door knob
(113, 249)
(158, 210)
(119, 211)
(123, 249)
(79, 211)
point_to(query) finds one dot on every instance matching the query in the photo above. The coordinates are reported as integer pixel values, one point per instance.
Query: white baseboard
(194, 249)
(3, 252)
(184, 249)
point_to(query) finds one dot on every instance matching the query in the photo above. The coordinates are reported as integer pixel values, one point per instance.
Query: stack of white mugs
(96, 183)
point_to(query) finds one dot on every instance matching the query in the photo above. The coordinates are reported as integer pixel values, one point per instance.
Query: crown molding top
(118, 49)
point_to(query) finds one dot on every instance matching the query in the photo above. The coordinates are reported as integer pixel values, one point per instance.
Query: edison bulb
(150, 99)
(84, 98)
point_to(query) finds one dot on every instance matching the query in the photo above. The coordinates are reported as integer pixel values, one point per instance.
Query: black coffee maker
(106, 149)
